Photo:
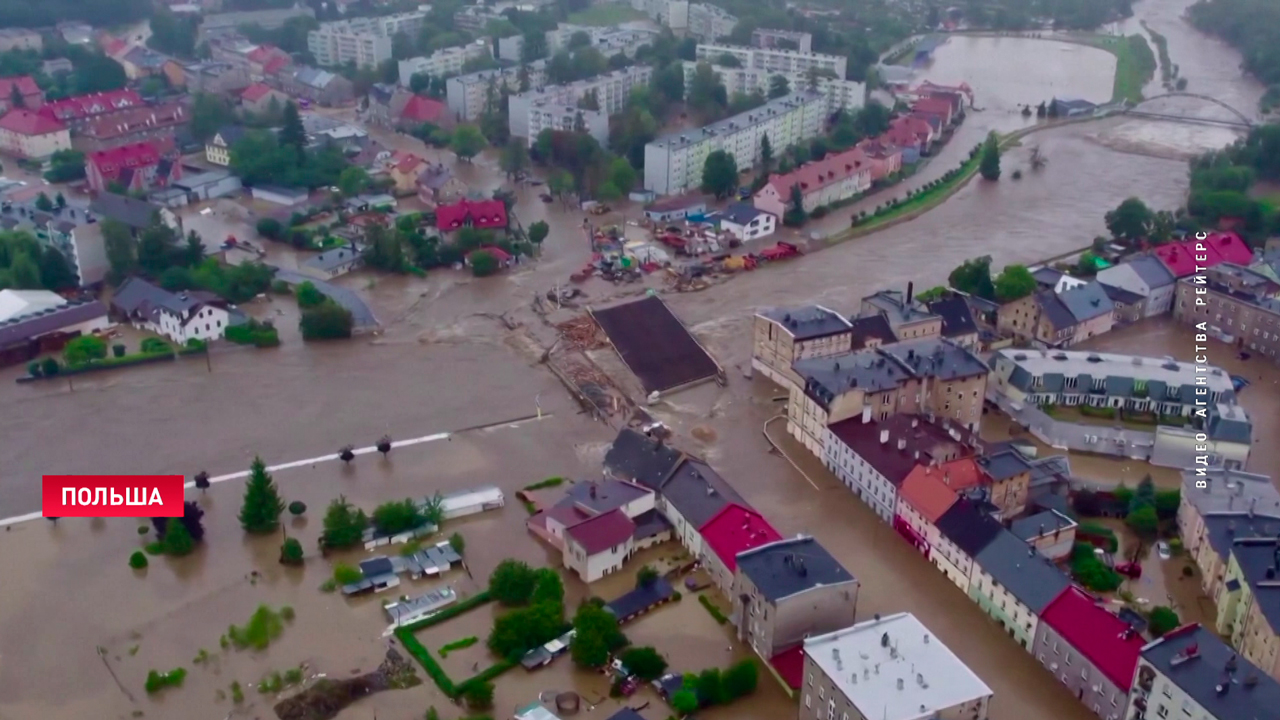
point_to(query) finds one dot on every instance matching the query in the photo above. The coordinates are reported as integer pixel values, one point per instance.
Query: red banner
(113, 496)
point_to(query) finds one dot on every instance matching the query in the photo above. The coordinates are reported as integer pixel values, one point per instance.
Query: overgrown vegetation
(264, 626)
(711, 608)
(1253, 27)
(1091, 572)
(462, 644)
(157, 681)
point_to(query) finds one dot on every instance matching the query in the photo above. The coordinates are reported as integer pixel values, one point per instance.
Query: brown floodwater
(444, 362)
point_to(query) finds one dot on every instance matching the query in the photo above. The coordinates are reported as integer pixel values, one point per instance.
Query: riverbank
(1168, 72)
(1135, 64)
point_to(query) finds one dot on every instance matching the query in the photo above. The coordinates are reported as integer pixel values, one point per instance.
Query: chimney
(902, 443)
(593, 491)
(884, 437)
(910, 291)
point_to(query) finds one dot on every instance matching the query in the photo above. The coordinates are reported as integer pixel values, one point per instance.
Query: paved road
(361, 313)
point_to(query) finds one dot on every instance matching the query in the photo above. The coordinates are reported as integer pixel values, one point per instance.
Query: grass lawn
(1135, 64)
(923, 201)
(1070, 414)
(606, 15)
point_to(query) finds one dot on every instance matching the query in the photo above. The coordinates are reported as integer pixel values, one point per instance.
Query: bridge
(1241, 121)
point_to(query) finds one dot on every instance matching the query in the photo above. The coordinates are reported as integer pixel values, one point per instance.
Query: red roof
(420, 109)
(263, 53)
(736, 529)
(1182, 258)
(1104, 639)
(790, 666)
(26, 122)
(275, 65)
(480, 213)
(111, 162)
(498, 253)
(937, 106)
(604, 531)
(135, 120)
(82, 106)
(255, 92)
(406, 162)
(816, 175)
(926, 492)
(26, 86)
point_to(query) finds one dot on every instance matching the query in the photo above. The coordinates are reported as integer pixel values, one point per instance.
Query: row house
(211, 77)
(391, 106)
(24, 85)
(1249, 605)
(1216, 506)
(1190, 672)
(1234, 304)
(913, 134)
(959, 324)
(1190, 257)
(835, 178)
(1147, 277)
(1059, 318)
(734, 530)
(1090, 650)
(907, 316)
(156, 124)
(1014, 584)
(598, 526)
(782, 336)
(141, 62)
(79, 111)
(885, 158)
(1050, 532)
(964, 532)
(131, 168)
(313, 85)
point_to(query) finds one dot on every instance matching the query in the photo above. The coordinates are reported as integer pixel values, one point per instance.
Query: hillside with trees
(1253, 28)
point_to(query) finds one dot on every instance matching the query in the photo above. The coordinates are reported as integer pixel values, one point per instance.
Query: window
(806, 697)
(822, 692)
(1162, 712)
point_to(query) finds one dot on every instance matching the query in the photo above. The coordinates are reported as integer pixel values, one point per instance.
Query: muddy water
(443, 364)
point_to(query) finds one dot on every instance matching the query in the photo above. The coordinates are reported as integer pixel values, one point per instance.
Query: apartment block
(1217, 505)
(465, 94)
(1013, 584)
(710, 22)
(474, 18)
(1091, 651)
(839, 93)
(608, 40)
(445, 61)
(558, 117)
(1249, 607)
(782, 336)
(782, 39)
(20, 39)
(542, 107)
(775, 61)
(888, 668)
(365, 41)
(1191, 673)
(1235, 304)
(672, 13)
(673, 163)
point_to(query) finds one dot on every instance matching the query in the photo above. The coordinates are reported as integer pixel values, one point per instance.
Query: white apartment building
(1191, 673)
(611, 91)
(548, 115)
(365, 41)
(673, 164)
(839, 93)
(767, 38)
(465, 94)
(608, 40)
(445, 61)
(774, 61)
(672, 13)
(710, 22)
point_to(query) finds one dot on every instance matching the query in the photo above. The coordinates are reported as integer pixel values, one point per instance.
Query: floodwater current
(445, 362)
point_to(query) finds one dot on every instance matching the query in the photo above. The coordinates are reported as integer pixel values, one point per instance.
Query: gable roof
(736, 529)
(816, 175)
(230, 134)
(925, 491)
(421, 109)
(481, 214)
(789, 567)
(968, 529)
(25, 122)
(138, 297)
(255, 92)
(603, 496)
(83, 106)
(741, 213)
(1054, 311)
(604, 531)
(808, 322)
(698, 493)
(635, 457)
(1120, 296)
(1110, 643)
(1087, 301)
(25, 83)
(131, 211)
(1182, 258)
(871, 327)
(957, 319)
(110, 163)
(1152, 272)
(1196, 660)
(1029, 576)
(1257, 559)
(23, 328)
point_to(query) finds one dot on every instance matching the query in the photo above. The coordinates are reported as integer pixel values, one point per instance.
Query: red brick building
(140, 166)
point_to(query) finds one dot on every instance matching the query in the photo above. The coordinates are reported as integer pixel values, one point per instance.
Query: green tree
(1167, 502)
(538, 232)
(1143, 521)
(308, 296)
(741, 679)
(326, 321)
(779, 87)
(596, 635)
(458, 543)
(707, 97)
(1144, 495)
(270, 228)
(766, 156)
(719, 174)
(483, 263)
(974, 277)
(467, 142)
(622, 175)
(397, 516)
(710, 686)
(515, 157)
(478, 695)
(684, 701)
(1162, 620)
(644, 662)
(989, 164)
(1013, 283)
(43, 203)
(560, 184)
(50, 367)
(177, 540)
(353, 181)
(260, 511)
(55, 272)
(84, 348)
(512, 582)
(209, 113)
(1130, 220)
(291, 552)
(292, 132)
(795, 215)
(24, 274)
(646, 576)
(343, 525)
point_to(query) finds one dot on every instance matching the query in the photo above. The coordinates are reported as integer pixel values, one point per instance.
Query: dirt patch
(327, 697)
(704, 434)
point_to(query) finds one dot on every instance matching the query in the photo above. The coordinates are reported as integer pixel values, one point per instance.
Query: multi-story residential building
(610, 92)
(131, 168)
(1190, 257)
(1093, 652)
(597, 526)
(782, 336)
(221, 24)
(909, 318)
(334, 45)
(874, 457)
(1190, 673)
(787, 591)
(211, 77)
(1007, 474)
(557, 117)
(734, 530)
(1146, 276)
(963, 533)
(314, 85)
(710, 22)
(1249, 607)
(782, 39)
(836, 177)
(1050, 532)
(609, 41)
(958, 322)
(474, 18)
(1059, 318)
(674, 163)
(775, 61)
(178, 316)
(672, 13)
(871, 332)
(156, 124)
(83, 247)
(1233, 304)
(925, 496)
(32, 95)
(839, 93)
(79, 111)
(135, 214)
(1216, 506)
(29, 134)
(886, 158)
(444, 62)
(888, 668)
(466, 94)
(20, 39)
(1014, 584)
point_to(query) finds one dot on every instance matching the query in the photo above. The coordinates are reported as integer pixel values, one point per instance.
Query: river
(443, 364)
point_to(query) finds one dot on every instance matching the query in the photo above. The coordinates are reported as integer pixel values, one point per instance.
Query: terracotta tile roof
(255, 92)
(736, 529)
(407, 162)
(275, 65)
(937, 106)
(111, 164)
(26, 122)
(1104, 639)
(925, 491)
(263, 53)
(882, 452)
(134, 120)
(602, 532)
(82, 106)
(1180, 257)
(26, 86)
(481, 213)
(420, 110)
(817, 175)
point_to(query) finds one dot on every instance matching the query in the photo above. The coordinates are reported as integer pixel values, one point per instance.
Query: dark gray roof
(1224, 528)
(741, 213)
(1229, 423)
(1120, 295)
(698, 493)
(1054, 311)
(626, 713)
(642, 597)
(1258, 559)
(957, 319)
(808, 322)
(141, 297)
(935, 357)
(872, 327)
(1034, 526)
(1026, 574)
(1250, 693)
(331, 260)
(1047, 276)
(21, 329)
(1004, 465)
(1153, 272)
(639, 459)
(131, 211)
(601, 497)
(231, 134)
(1087, 301)
(788, 567)
(378, 565)
(970, 530)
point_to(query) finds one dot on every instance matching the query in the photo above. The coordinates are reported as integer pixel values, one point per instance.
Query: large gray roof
(1161, 374)
(812, 321)
(1087, 301)
(1153, 272)
(1250, 694)
(957, 318)
(1027, 575)
(787, 567)
(1057, 313)
(1223, 490)
(637, 458)
(935, 357)
(334, 259)
(25, 327)
(121, 208)
(1004, 465)
(138, 296)
(1258, 559)
(1224, 528)
(1034, 526)
(698, 493)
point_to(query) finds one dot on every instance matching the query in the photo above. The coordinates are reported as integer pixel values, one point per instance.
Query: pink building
(822, 182)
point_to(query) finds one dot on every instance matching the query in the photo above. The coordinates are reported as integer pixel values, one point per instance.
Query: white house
(864, 472)
(178, 316)
(598, 525)
(747, 223)
(599, 545)
(1146, 276)
(334, 262)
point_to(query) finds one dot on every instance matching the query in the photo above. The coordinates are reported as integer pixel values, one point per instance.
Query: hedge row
(405, 634)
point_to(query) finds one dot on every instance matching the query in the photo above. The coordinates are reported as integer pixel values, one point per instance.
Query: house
(908, 317)
(885, 158)
(1050, 532)
(871, 331)
(379, 574)
(964, 532)
(314, 85)
(1249, 606)
(958, 323)
(404, 168)
(1192, 256)
(131, 168)
(209, 76)
(288, 197)
(887, 668)
(782, 336)
(1191, 668)
(141, 62)
(934, 106)
(32, 95)
(745, 222)
(638, 459)
(178, 316)
(586, 500)
(437, 185)
(925, 496)
(1146, 276)
(734, 530)
(137, 215)
(1040, 317)
(36, 322)
(333, 263)
(20, 39)
(1093, 311)
(207, 185)
(1233, 304)
(418, 110)
(787, 591)
(597, 526)
(1092, 651)
(1014, 584)
(218, 149)
(599, 545)
(676, 208)
(482, 214)
(1129, 306)
(912, 135)
(1007, 475)
(260, 98)
(78, 111)
(158, 124)
(1212, 508)
(834, 178)
(28, 134)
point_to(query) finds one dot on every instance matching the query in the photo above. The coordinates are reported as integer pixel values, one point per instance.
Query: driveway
(361, 313)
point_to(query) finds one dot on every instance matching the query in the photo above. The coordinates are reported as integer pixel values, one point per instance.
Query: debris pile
(582, 333)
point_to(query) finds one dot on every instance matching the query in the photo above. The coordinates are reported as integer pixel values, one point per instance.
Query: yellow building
(782, 336)
(1249, 605)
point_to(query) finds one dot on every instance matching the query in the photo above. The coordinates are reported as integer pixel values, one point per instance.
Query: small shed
(409, 611)
(207, 185)
(288, 197)
(332, 263)
(676, 208)
(471, 502)
(379, 574)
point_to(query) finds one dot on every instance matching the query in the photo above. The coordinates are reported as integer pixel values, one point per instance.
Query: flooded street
(444, 362)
